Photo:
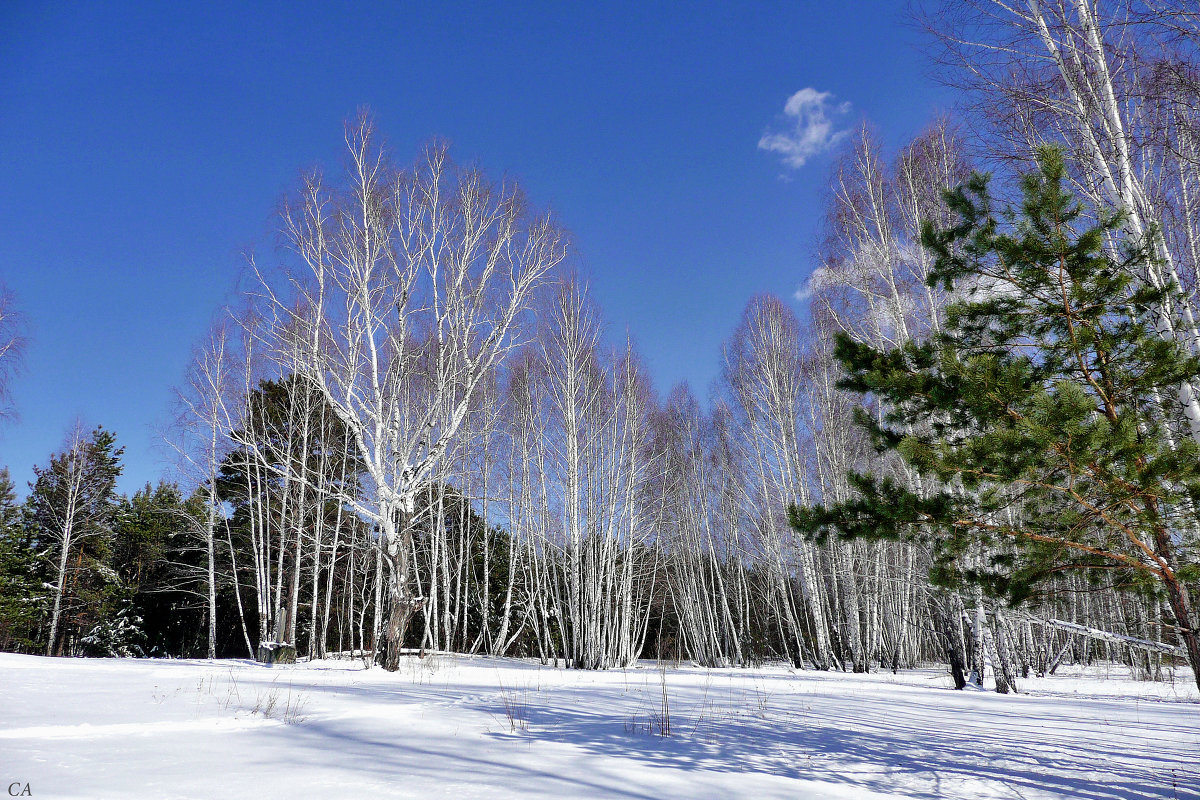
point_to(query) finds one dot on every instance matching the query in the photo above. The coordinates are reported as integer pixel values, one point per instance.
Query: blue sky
(144, 148)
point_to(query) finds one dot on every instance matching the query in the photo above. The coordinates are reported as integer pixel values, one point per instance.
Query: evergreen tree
(121, 635)
(22, 596)
(1035, 421)
(155, 557)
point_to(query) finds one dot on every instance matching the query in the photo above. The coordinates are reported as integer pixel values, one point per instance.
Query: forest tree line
(418, 434)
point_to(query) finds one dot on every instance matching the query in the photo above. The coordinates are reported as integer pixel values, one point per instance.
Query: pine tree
(155, 556)
(21, 594)
(1035, 420)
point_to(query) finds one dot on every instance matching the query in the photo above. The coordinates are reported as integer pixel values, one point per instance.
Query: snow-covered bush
(122, 636)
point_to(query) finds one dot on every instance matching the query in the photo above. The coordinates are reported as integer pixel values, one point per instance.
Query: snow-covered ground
(461, 727)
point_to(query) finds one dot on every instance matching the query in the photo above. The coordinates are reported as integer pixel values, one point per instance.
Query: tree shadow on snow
(886, 744)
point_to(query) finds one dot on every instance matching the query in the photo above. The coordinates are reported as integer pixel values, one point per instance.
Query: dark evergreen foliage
(22, 594)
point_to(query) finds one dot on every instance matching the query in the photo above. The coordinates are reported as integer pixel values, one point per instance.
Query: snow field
(460, 727)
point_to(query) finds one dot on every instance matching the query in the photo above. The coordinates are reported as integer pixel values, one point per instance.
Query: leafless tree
(764, 378)
(201, 437)
(872, 284)
(596, 409)
(406, 288)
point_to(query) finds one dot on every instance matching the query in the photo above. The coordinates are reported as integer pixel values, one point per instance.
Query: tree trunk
(945, 611)
(211, 578)
(1178, 600)
(398, 548)
(58, 595)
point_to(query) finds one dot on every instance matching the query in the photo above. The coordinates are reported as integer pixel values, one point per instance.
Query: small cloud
(810, 129)
(819, 279)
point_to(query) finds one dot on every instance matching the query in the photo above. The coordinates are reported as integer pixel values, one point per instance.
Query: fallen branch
(1108, 636)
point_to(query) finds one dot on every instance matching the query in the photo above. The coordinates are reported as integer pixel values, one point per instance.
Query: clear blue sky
(143, 147)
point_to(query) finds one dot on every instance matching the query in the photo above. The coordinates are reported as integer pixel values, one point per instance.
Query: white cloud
(820, 278)
(810, 127)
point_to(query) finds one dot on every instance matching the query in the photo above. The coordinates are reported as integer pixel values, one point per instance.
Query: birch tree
(763, 374)
(203, 430)
(597, 410)
(403, 290)
(73, 500)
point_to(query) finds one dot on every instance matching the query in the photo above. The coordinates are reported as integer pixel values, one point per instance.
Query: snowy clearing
(453, 726)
